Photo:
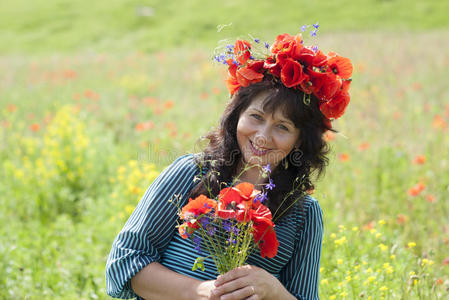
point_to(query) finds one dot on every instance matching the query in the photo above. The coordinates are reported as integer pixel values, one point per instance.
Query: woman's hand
(247, 282)
(204, 290)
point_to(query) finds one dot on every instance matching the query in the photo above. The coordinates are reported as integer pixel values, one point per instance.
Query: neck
(252, 174)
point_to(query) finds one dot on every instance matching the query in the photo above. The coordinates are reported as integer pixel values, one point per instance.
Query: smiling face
(265, 137)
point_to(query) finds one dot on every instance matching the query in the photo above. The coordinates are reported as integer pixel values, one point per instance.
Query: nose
(263, 136)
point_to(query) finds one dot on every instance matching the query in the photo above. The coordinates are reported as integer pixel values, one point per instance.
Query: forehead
(263, 103)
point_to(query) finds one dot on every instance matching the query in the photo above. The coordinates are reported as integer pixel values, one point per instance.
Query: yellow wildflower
(411, 244)
(383, 288)
(339, 261)
(381, 222)
(383, 247)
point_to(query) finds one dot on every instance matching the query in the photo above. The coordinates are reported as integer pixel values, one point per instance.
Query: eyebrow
(281, 120)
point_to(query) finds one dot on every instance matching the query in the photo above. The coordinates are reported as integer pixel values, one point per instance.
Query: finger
(240, 294)
(231, 275)
(230, 286)
(253, 297)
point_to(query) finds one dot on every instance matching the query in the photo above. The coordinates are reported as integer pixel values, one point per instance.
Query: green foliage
(151, 25)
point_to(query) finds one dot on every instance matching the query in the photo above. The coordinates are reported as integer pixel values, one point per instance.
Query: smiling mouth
(258, 150)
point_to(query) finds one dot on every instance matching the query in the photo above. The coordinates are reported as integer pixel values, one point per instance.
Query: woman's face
(265, 138)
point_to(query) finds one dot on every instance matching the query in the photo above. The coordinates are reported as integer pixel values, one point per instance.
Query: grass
(95, 101)
(60, 25)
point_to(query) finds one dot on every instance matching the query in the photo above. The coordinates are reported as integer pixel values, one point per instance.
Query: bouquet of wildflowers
(230, 227)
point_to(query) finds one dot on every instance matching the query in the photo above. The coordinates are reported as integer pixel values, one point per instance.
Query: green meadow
(97, 98)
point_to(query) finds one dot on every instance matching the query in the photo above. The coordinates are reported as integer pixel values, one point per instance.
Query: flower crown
(299, 67)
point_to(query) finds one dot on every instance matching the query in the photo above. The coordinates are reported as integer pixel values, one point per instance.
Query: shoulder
(184, 163)
(309, 212)
(313, 214)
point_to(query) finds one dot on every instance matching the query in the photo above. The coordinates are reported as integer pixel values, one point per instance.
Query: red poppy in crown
(298, 67)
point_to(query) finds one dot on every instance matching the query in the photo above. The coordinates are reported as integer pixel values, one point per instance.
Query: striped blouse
(150, 235)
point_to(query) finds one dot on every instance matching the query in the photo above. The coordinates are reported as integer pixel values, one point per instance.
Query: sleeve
(149, 229)
(300, 275)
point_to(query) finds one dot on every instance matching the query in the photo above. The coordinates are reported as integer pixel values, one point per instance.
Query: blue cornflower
(232, 241)
(235, 62)
(261, 197)
(230, 47)
(267, 169)
(251, 57)
(197, 242)
(315, 49)
(204, 221)
(235, 230)
(267, 45)
(211, 230)
(257, 41)
(303, 28)
(227, 225)
(316, 25)
(270, 185)
(313, 32)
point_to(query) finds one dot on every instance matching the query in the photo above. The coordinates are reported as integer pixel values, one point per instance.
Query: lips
(257, 150)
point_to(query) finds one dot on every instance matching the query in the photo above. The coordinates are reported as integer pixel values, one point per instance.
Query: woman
(274, 120)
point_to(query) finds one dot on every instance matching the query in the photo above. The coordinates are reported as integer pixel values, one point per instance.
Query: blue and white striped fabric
(150, 235)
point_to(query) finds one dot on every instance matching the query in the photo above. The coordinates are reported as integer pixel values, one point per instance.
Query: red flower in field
(401, 219)
(364, 146)
(329, 136)
(236, 202)
(291, 73)
(242, 51)
(446, 261)
(12, 107)
(196, 207)
(35, 127)
(431, 198)
(340, 66)
(419, 160)
(416, 189)
(368, 226)
(336, 107)
(438, 122)
(343, 157)
(439, 281)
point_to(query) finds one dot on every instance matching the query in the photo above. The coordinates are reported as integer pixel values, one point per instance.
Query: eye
(257, 117)
(283, 127)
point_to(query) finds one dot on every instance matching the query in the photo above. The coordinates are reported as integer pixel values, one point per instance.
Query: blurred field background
(97, 97)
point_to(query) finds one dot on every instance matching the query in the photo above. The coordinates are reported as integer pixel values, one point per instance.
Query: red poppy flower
(196, 207)
(335, 107)
(291, 73)
(232, 67)
(325, 85)
(235, 202)
(265, 235)
(306, 85)
(272, 66)
(288, 44)
(242, 51)
(185, 231)
(340, 66)
(246, 76)
(232, 84)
